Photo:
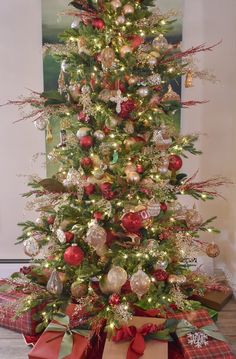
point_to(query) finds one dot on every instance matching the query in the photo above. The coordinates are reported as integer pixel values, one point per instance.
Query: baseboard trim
(14, 261)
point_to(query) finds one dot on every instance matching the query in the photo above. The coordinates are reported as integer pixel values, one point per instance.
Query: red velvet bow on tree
(137, 345)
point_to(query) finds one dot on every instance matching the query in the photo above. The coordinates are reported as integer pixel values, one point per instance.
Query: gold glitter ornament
(212, 250)
(133, 177)
(107, 57)
(140, 283)
(189, 79)
(193, 218)
(170, 95)
(160, 43)
(79, 290)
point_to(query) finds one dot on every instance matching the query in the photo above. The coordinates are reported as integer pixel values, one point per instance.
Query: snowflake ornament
(197, 339)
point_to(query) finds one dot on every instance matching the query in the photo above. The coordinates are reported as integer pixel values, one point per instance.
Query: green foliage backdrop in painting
(55, 23)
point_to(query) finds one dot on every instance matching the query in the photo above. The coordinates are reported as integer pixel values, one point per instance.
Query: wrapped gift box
(8, 305)
(154, 348)
(214, 299)
(214, 348)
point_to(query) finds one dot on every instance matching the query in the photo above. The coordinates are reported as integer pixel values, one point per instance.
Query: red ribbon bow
(137, 345)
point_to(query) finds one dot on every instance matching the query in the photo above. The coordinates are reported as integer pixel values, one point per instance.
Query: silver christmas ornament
(54, 285)
(120, 20)
(117, 276)
(83, 131)
(143, 91)
(41, 124)
(64, 66)
(99, 134)
(75, 23)
(61, 236)
(140, 283)
(31, 247)
(85, 89)
(96, 236)
(154, 79)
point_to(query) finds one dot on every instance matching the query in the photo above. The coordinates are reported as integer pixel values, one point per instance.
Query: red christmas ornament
(98, 23)
(105, 187)
(73, 255)
(50, 219)
(69, 236)
(106, 130)
(139, 169)
(86, 162)
(135, 41)
(114, 299)
(126, 107)
(98, 216)
(86, 142)
(132, 222)
(107, 191)
(160, 275)
(82, 117)
(89, 189)
(175, 162)
(163, 207)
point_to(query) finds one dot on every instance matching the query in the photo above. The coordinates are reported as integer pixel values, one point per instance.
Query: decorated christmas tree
(112, 235)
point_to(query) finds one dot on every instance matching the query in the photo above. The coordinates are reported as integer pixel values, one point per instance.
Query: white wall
(20, 68)
(210, 21)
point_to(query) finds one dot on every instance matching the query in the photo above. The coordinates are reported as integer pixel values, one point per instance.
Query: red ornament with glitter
(73, 255)
(89, 189)
(69, 236)
(114, 299)
(86, 142)
(127, 107)
(175, 163)
(86, 162)
(160, 275)
(98, 24)
(132, 222)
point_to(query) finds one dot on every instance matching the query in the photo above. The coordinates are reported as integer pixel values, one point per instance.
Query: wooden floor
(12, 344)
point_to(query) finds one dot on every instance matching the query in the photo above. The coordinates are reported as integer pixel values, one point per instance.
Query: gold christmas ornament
(54, 285)
(132, 80)
(133, 177)
(115, 4)
(140, 283)
(124, 50)
(107, 57)
(160, 43)
(63, 277)
(212, 250)
(128, 9)
(152, 61)
(79, 290)
(130, 167)
(170, 95)
(129, 127)
(189, 79)
(98, 173)
(193, 218)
